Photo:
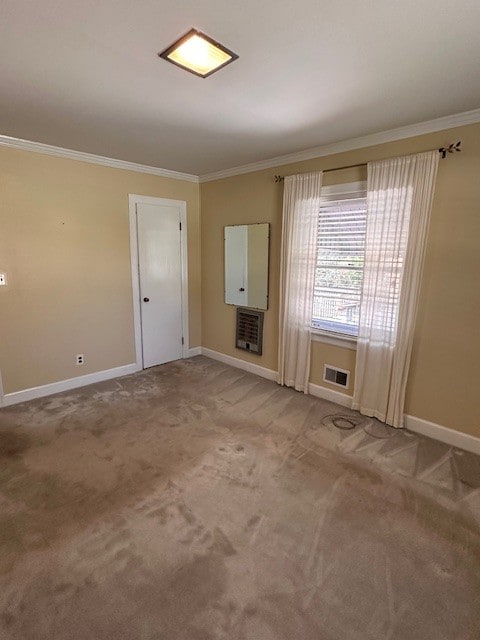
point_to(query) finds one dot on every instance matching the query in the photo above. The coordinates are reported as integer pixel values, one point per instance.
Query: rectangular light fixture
(198, 54)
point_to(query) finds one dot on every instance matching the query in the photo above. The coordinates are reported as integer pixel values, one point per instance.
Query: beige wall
(64, 244)
(444, 378)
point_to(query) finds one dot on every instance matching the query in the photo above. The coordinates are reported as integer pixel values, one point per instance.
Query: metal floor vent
(334, 375)
(249, 334)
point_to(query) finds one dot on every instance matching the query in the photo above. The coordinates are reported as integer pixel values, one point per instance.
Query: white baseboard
(452, 437)
(251, 367)
(329, 394)
(67, 385)
(194, 351)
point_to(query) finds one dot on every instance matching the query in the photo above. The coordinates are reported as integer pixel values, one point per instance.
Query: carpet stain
(12, 442)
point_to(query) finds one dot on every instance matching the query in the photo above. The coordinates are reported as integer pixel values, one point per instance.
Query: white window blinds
(339, 266)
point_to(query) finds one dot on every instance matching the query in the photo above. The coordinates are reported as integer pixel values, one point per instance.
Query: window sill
(346, 342)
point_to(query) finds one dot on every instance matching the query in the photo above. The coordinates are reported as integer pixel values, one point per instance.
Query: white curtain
(301, 205)
(399, 200)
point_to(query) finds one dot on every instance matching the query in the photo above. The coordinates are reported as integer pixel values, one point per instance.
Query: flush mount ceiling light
(198, 54)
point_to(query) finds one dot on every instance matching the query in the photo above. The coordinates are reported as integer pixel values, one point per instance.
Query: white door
(160, 276)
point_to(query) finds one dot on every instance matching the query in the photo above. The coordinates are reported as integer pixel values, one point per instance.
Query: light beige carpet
(195, 501)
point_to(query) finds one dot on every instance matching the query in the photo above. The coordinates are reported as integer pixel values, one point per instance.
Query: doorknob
(146, 299)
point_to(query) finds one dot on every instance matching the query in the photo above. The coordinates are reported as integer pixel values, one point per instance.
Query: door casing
(133, 200)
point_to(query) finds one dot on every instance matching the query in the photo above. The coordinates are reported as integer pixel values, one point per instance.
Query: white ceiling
(85, 75)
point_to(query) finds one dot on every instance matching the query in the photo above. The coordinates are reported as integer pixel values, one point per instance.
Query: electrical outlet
(80, 358)
(3, 278)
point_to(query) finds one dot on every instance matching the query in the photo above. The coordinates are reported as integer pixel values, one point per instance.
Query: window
(340, 259)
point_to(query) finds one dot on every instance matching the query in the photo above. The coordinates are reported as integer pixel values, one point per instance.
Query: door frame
(133, 200)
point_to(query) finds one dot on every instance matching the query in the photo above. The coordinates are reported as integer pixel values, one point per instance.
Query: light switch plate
(3, 278)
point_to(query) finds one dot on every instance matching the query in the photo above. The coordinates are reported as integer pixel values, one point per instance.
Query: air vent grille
(249, 330)
(334, 375)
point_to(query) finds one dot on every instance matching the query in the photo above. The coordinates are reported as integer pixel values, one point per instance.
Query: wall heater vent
(249, 330)
(334, 375)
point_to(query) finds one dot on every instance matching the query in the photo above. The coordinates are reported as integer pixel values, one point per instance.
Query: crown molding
(39, 147)
(408, 131)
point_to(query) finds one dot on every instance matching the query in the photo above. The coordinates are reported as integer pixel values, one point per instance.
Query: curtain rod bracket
(455, 146)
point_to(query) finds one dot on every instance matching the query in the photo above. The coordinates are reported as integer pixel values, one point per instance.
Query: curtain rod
(455, 146)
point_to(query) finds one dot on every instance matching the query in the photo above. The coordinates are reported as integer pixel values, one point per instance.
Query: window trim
(353, 189)
(336, 339)
(331, 193)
